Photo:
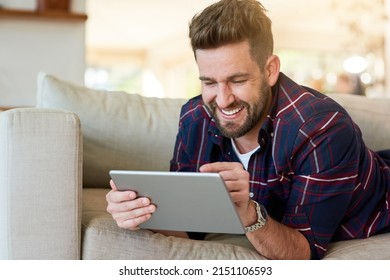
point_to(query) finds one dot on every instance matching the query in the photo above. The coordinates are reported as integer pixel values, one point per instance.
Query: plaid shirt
(313, 171)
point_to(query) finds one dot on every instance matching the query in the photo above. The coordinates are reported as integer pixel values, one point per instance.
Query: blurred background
(142, 46)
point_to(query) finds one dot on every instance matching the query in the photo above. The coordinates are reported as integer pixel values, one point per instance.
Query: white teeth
(232, 112)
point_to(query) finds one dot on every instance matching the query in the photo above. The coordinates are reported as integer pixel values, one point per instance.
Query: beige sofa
(54, 163)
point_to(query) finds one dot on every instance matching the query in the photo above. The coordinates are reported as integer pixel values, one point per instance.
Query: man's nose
(225, 96)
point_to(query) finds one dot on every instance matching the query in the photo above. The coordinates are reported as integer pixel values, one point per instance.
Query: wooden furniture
(40, 15)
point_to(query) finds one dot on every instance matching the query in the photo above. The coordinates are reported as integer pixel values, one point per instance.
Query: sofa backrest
(120, 130)
(131, 132)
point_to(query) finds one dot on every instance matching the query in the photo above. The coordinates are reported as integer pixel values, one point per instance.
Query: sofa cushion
(376, 247)
(120, 130)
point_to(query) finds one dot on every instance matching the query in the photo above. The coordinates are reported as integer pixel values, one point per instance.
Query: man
(293, 160)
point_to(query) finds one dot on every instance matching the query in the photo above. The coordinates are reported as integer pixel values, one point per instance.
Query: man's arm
(277, 241)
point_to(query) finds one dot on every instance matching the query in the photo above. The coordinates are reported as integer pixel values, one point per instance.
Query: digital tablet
(186, 201)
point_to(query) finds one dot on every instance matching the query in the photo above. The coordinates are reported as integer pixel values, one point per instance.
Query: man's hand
(128, 210)
(237, 182)
(274, 240)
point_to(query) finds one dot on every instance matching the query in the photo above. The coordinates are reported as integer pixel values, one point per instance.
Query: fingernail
(145, 201)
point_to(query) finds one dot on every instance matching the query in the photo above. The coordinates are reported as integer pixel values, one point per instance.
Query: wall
(387, 49)
(29, 45)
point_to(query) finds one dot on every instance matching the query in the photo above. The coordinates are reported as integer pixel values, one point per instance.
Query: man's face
(234, 89)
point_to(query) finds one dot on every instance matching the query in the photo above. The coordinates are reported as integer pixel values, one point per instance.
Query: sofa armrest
(40, 184)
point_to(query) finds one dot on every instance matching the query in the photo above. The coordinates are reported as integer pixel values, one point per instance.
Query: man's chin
(230, 131)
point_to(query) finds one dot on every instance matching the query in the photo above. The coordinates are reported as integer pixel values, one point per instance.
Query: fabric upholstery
(376, 247)
(40, 184)
(120, 130)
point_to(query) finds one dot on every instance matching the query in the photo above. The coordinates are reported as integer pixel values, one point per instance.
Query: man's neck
(248, 142)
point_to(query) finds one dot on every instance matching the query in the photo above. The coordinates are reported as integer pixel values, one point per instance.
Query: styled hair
(233, 21)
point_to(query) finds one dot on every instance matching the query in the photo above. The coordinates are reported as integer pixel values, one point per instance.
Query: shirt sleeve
(189, 151)
(182, 153)
(179, 161)
(324, 161)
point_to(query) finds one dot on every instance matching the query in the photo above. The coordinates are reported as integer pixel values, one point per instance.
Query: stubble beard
(230, 129)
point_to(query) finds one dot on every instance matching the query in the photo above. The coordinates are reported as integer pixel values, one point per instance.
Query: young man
(293, 160)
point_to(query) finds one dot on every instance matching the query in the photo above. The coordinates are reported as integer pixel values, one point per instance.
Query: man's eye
(239, 81)
(209, 83)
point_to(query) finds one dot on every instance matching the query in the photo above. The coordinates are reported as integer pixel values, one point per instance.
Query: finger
(237, 190)
(113, 186)
(134, 214)
(132, 219)
(120, 196)
(235, 175)
(133, 224)
(240, 196)
(216, 167)
(127, 205)
(240, 187)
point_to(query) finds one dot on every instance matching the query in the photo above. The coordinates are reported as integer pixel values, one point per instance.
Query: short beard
(254, 114)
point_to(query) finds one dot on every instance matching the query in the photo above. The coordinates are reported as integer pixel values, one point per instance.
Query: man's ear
(272, 69)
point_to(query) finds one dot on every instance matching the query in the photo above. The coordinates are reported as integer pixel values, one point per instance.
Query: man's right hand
(128, 210)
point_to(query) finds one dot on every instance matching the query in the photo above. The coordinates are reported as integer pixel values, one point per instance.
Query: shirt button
(251, 194)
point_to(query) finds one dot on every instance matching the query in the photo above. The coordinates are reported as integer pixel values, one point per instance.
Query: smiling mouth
(232, 112)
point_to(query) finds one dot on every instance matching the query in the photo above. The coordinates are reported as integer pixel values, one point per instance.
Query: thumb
(113, 186)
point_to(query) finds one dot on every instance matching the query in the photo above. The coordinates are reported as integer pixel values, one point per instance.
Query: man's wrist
(251, 217)
(261, 219)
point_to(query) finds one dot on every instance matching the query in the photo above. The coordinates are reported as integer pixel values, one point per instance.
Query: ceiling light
(355, 64)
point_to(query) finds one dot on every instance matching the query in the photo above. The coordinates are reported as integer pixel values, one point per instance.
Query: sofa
(54, 164)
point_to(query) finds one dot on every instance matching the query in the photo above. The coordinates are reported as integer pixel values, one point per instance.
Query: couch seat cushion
(376, 247)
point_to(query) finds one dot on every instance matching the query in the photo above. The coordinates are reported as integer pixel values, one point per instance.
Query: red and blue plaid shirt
(312, 172)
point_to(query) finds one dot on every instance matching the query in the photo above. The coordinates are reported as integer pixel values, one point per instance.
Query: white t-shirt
(244, 158)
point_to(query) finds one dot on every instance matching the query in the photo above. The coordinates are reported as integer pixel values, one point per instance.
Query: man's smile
(232, 111)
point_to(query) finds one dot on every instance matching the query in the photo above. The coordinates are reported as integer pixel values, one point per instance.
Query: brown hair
(233, 21)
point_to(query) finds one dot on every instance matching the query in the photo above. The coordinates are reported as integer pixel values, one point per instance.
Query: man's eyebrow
(231, 77)
(203, 78)
(238, 75)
